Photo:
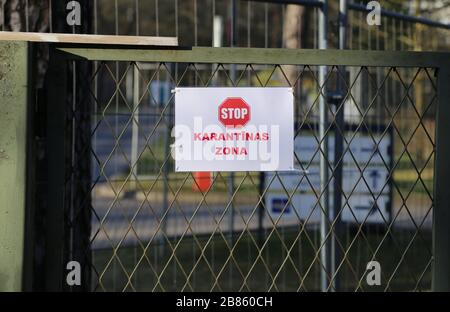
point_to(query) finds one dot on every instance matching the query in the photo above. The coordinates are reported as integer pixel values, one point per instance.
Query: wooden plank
(88, 39)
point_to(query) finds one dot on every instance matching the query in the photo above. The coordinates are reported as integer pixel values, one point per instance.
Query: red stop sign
(234, 112)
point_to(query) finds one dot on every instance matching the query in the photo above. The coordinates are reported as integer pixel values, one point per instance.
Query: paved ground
(146, 224)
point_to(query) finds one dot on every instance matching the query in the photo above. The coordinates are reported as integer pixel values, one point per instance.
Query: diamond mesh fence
(156, 230)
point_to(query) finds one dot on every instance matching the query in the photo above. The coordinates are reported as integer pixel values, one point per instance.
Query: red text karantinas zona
(231, 136)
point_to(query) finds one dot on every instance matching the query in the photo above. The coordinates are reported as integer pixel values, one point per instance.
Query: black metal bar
(312, 3)
(391, 176)
(78, 222)
(338, 152)
(231, 187)
(441, 213)
(79, 218)
(233, 23)
(400, 16)
(337, 186)
(66, 219)
(30, 230)
(261, 208)
(56, 156)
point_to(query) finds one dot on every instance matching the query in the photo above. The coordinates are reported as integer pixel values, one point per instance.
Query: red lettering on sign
(221, 151)
(231, 136)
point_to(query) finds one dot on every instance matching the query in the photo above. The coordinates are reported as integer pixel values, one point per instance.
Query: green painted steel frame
(261, 56)
(438, 60)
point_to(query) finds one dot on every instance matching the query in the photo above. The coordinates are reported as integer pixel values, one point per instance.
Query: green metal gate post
(14, 103)
(441, 213)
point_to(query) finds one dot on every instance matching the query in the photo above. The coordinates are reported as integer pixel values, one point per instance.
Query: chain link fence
(140, 226)
(153, 230)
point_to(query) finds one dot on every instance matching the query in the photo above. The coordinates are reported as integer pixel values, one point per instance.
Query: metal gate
(136, 225)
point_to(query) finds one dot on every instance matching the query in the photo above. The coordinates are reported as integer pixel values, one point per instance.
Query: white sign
(365, 185)
(233, 129)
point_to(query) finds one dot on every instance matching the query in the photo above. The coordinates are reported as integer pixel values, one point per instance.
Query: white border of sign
(204, 143)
